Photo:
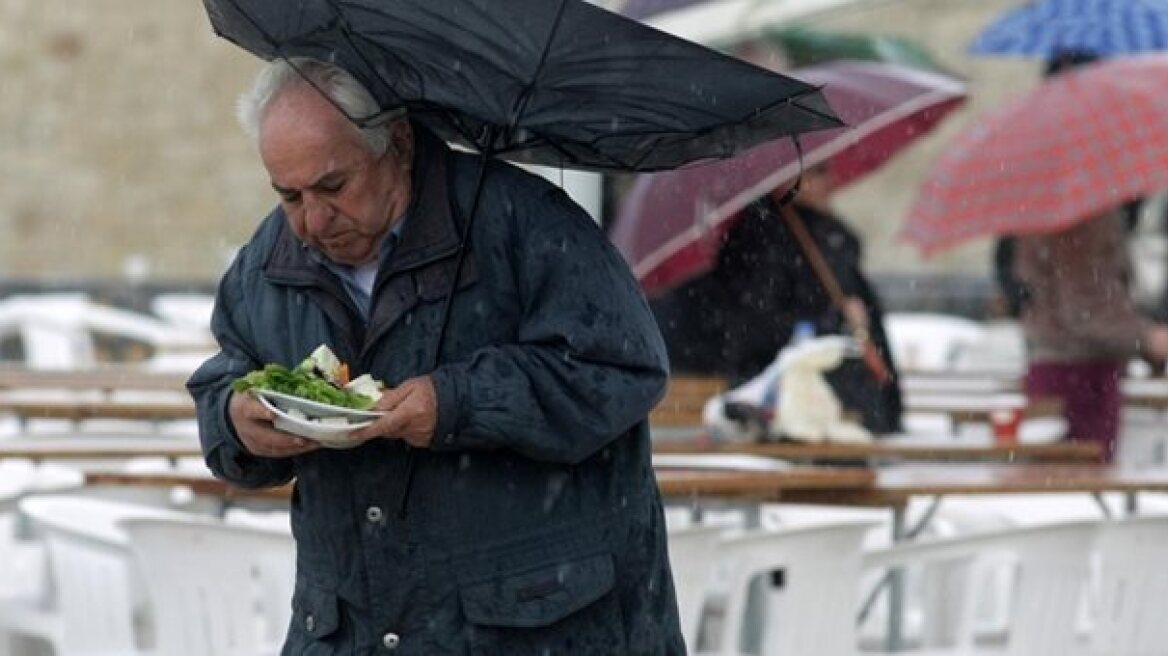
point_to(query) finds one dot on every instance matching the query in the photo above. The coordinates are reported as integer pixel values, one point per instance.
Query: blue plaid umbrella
(1046, 28)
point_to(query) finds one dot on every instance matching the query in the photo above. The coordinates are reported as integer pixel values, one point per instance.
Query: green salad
(320, 377)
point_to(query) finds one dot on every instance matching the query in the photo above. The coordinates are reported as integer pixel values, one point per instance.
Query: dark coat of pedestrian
(532, 523)
(734, 320)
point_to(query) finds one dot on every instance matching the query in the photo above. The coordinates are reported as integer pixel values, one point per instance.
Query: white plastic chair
(1049, 566)
(58, 330)
(927, 341)
(23, 579)
(94, 608)
(236, 580)
(188, 310)
(811, 577)
(692, 554)
(1133, 588)
(1001, 348)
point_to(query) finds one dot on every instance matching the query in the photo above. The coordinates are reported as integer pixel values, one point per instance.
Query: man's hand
(253, 424)
(411, 413)
(1155, 345)
(856, 313)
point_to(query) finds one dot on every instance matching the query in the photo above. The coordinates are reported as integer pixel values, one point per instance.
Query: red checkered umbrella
(1077, 145)
(670, 225)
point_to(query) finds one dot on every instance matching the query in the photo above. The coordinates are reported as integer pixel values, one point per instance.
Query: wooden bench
(105, 379)
(684, 400)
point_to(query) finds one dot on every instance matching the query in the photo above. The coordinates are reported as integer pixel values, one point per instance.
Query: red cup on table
(1005, 422)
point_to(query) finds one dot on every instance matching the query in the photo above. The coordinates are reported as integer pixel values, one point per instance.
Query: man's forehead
(301, 113)
(299, 152)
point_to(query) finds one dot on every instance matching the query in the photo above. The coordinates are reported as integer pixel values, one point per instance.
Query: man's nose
(317, 213)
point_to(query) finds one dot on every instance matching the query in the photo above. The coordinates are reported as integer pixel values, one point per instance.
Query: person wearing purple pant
(1081, 325)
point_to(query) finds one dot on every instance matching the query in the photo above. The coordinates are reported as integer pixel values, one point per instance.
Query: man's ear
(401, 141)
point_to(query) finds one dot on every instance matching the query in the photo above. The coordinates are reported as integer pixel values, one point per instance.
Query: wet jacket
(733, 320)
(1080, 307)
(533, 525)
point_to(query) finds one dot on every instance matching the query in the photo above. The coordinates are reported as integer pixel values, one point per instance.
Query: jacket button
(374, 514)
(449, 439)
(390, 640)
(310, 623)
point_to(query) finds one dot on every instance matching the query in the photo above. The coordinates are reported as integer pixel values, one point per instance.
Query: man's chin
(348, 255)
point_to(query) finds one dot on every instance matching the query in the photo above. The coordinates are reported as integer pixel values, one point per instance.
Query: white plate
(333, 436)
(315, 409)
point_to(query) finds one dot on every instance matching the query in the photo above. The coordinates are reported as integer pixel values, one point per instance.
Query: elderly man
(529, 521)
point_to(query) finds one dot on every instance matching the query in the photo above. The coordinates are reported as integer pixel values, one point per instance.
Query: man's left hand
(411, 413)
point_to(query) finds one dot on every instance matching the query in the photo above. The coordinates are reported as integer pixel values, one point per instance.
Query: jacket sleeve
(588, 363)
(210, 386)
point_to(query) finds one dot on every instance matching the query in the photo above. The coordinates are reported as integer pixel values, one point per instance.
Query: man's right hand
(253, 424)
(1156, 345)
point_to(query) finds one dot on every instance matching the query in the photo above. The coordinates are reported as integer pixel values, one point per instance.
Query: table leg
(695, 510)
(895, 637)
(1131, 503)
(1102, 503)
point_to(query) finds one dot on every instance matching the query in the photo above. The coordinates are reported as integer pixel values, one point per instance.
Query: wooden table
(890, 450)
(98, 447)
(896, 484)
(970, 407)
(1150, 393)
(76, 410)
(107, 379)
(957, 382)
(672, 482)
(759, 486)
(204, 485)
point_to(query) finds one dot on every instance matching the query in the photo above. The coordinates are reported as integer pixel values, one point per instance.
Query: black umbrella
(560, 83)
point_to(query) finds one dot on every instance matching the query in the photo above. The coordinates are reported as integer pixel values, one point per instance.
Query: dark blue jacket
(533, 525)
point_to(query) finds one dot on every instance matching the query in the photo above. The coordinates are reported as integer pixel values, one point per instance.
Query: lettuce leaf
(303, 383)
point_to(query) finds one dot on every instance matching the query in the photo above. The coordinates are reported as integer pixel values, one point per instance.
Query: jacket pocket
(564, 607)
(539, 597)
(315, 618)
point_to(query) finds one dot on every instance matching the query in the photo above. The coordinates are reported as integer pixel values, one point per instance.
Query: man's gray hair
(335, 82)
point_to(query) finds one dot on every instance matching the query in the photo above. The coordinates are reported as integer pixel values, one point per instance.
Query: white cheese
(365, 385)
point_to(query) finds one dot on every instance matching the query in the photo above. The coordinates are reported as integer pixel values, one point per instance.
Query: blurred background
(125, 173)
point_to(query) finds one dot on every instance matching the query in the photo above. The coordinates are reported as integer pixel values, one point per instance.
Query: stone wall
(119, 154)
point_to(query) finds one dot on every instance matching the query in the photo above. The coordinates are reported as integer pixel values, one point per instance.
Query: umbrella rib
(525, 95)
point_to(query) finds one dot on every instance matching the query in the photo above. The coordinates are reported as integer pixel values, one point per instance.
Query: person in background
(505, 503)
(1012, 293)
(1081, 325)
(733, 320)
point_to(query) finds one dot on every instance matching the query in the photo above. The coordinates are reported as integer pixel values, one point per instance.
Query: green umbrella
(805, 46)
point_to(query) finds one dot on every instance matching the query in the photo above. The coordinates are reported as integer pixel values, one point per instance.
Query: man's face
(339, 197)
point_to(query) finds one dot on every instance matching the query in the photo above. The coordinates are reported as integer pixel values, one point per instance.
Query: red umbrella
(670, 224)
(1081, 143)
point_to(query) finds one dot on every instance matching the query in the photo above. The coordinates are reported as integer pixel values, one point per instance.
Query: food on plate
(321, 377)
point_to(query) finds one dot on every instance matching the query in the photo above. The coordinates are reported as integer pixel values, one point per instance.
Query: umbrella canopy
(670, 225)
(1100, 27)
(1084, 142)
(804, 46)
(553, 82)
(645, 8)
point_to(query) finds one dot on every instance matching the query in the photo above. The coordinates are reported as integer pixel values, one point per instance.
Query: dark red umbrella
(670, 225)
